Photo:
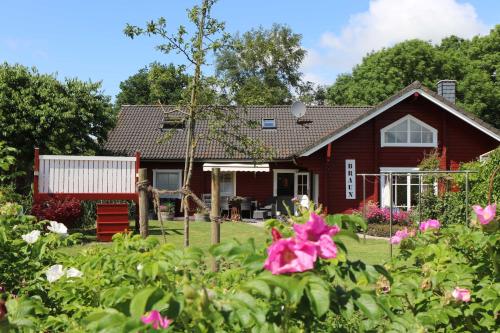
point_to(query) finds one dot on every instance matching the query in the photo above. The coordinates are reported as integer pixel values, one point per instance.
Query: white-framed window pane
(401, 137)
(427, 137)
(401, 127)
(168, 180)
(415, 127)
(390, 137)
(226, 184)
(416, 137)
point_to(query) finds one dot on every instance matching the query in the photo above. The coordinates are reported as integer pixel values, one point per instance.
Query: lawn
(372, 251)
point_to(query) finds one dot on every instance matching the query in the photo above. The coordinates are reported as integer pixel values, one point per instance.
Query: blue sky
(84, 39)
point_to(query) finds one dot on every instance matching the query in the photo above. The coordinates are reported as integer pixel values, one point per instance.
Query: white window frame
(296, 173)
(408, 143)
(233, 180)
(400, 170)
(178, 171)
(296, 183)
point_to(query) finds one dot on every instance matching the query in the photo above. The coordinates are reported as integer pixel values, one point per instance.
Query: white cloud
(385, 23)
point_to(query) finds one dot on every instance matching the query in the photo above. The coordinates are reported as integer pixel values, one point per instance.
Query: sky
(84, 38)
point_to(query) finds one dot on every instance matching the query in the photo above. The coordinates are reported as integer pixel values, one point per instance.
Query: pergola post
(143, 202)
(214, 212)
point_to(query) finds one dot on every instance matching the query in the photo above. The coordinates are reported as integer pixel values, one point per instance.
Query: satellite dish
(298, 109)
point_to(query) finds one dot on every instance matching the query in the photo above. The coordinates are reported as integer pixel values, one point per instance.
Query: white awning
(237, 167)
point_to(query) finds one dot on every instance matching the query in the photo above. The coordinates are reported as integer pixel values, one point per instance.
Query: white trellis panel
(86, 174)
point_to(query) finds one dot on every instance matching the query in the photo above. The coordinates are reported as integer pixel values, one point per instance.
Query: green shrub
(451, 207)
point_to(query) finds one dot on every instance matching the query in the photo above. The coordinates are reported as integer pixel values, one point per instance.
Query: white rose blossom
(31, 237)
(73, 273)
(54, 273)
(58, 228)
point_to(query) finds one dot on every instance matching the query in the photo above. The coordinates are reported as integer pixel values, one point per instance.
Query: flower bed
(444, 279)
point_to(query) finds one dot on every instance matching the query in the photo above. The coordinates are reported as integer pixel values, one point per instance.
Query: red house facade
(320, 155)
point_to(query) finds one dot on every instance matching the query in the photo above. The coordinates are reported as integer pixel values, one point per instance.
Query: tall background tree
(261, 67)
(473, 63)
(156, 82)
(37, 110)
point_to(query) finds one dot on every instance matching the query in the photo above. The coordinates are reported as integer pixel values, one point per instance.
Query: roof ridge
(254, 106)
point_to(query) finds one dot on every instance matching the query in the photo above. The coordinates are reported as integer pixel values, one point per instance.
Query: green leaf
(368, 305)
(142, 302)
(260, 287)
(318, 293)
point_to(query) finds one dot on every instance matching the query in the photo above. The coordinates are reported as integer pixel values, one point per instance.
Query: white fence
(86, 174)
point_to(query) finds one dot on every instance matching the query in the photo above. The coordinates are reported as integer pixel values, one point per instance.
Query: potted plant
(201, 215)
(167, 211)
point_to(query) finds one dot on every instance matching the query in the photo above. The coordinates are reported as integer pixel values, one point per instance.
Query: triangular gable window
(408, 132)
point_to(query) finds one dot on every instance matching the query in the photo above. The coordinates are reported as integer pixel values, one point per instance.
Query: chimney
(447, 89)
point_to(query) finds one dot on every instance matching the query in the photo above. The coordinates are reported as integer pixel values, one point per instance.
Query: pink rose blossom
(461, 294)
(320, 234)
(399, 236)
(326, 247)
(429, 224)
(313, 229)
(156, 320)
(289, 255)
(485, 215)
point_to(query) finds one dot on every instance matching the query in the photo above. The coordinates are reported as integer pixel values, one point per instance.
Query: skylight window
(268, 123)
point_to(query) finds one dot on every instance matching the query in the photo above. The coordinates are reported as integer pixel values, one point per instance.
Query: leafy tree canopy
(37, 110)
(167, 84)
(261, 67)
(473, 63)
(156, 82)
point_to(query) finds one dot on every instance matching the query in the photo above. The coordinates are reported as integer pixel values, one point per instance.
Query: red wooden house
(318, 155)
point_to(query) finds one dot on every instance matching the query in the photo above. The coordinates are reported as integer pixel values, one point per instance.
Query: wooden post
(143, 202)
(214, 213)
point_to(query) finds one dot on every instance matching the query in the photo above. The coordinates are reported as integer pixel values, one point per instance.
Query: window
(167, 179)
(173, 123)
(408, 132)
(227, 184)
(268, 123)
(405, 188)
(302, 184)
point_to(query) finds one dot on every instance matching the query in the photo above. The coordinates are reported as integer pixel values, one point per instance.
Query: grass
(371, 251)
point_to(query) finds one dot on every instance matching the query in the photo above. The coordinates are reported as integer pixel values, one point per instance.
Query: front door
(285, 190)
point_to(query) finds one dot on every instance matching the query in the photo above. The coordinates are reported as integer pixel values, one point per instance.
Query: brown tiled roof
(138, 129)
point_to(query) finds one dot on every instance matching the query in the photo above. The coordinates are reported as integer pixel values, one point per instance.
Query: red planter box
(111, 219)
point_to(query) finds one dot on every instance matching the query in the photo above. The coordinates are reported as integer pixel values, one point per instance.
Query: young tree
(37, 110)
(223, 123)
(261, 67)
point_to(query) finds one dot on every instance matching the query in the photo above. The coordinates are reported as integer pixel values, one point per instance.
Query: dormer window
(173, 123)
(408, 132)
(269, 123)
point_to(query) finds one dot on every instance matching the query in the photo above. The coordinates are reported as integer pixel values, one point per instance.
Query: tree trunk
(143, 203)
(193, 104)
(214, 214)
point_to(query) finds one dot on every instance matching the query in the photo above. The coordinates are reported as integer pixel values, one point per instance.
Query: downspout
(325, 172)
